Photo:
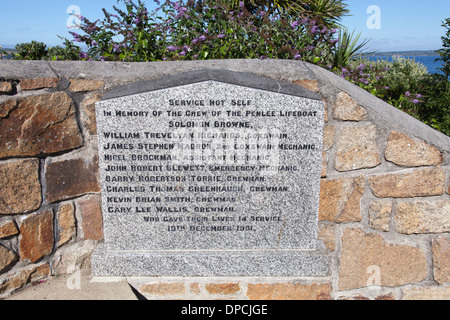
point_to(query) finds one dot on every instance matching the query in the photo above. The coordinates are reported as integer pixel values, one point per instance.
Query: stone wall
(384, 201)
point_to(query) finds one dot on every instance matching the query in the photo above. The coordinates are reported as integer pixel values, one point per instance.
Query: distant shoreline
(416, 53)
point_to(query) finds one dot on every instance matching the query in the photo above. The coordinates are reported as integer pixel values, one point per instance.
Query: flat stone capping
(225, 76)
(382, 113)
(283, 263)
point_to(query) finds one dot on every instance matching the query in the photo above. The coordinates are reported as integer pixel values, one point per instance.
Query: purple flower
(220, 36)
(415, 101)
(241, 4)
(183, 53)
(407, 93)
(314, 29)
(295, 23)
(202, 38)
(83, 55)
(297, 56)
(171, 48)
(419, 96)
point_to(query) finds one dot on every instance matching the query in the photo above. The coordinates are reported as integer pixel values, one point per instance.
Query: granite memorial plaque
(210, 173)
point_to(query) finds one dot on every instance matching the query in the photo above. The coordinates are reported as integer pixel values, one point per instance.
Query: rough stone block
(328, 137)
(326, 234)
(441, 258)
(312, 85)
(20, 189)
(323, 172)
(87, 108)
(8, 229)
(380, 215)
(405, 151)
(340, 199)
(195, 288)
(222, 288)
(69, 178)
(6, 107)
(5, 87)
(36, 236)
(66, 223)
(426, 293)
(7, 258)
(164, 289)
(346, 108)
(417, 183)
(38, 83)
(81, 85)
(23, 277)
(367, 259)
(423, 217)
(73, 256)
(289, 291)
(91, 216)
(357, 148)
(37, 125)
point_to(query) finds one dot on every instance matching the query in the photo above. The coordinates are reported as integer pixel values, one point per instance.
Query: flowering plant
(187, 30)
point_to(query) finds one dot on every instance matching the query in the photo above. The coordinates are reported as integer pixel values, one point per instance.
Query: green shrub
(435, 109)
(187, 30)
(406, 85)
(31, 51)
(38, 51)
(69, 52)
(445, 51)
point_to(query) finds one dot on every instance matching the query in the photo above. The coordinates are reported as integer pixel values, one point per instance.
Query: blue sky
(404, 24)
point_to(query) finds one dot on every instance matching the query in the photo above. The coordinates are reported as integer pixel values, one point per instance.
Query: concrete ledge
(212, 263)
(77, 287)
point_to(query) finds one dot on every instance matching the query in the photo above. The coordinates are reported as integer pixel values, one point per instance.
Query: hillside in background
(404, 53)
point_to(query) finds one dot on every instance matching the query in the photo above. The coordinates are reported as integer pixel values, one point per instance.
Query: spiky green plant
(348, 47)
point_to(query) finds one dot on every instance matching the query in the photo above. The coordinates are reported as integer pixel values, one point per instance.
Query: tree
(445, 51)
